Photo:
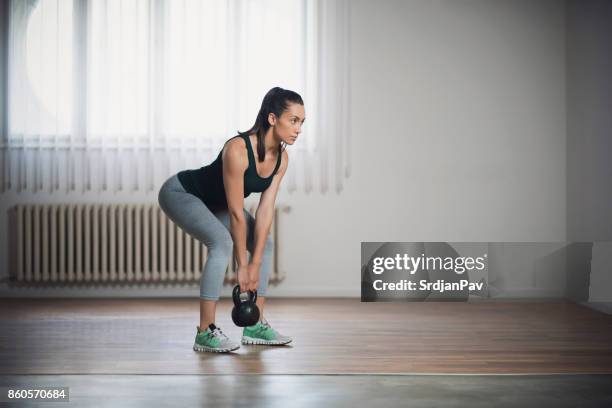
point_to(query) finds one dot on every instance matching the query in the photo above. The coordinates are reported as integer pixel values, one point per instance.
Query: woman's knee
(222, 244)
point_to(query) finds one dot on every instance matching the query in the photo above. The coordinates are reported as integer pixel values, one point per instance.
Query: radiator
(109, 243)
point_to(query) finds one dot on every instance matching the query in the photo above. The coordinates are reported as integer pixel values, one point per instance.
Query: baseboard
(605, 307)
(174, 291)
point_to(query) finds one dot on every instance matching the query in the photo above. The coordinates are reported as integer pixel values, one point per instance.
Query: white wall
(458, 135)
(589, 135)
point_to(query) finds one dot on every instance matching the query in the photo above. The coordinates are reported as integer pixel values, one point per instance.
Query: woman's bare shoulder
(235, 151)
(235, 141)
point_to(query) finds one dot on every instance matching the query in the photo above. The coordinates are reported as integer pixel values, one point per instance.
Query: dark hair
(276, 102)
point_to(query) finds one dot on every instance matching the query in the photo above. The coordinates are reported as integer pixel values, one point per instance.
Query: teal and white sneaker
(263, 333)
(213, 340)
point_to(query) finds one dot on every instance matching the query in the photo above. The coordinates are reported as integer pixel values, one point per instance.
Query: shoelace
(218, 333)
(265, 326)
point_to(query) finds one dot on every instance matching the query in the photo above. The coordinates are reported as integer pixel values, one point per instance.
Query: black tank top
(206, 183)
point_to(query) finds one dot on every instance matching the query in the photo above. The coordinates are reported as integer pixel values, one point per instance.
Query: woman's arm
(265, 210)
(235, 162)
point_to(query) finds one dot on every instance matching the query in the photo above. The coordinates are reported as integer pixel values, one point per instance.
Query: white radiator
(109, 243)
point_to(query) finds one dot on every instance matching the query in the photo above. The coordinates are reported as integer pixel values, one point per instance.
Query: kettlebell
(245, 313)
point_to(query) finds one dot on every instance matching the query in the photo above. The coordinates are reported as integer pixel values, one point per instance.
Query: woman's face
(289, 125)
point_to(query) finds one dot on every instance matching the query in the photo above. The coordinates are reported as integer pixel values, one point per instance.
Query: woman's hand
(243, 278)
(248, 276)
(253, 274)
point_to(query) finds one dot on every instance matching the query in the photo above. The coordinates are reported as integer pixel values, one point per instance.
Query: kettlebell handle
(236, 295)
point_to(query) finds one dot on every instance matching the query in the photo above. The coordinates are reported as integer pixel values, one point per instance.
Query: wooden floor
(331, 336)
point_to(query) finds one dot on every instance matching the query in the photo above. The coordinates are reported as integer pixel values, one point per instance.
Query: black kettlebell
(245, 313)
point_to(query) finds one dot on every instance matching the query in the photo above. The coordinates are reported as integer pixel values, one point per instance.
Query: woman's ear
(271, 119)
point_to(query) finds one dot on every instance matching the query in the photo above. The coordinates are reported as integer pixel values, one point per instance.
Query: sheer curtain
(117, 95)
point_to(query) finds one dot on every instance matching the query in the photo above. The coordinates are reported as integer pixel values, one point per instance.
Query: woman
(208, 204)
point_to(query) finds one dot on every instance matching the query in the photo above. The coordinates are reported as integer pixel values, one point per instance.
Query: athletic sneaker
(263, 333)
(213, 340)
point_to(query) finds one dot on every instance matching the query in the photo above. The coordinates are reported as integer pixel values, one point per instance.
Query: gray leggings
(213, 230)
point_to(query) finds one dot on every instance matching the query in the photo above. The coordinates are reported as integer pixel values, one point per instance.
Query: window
(161, 69)
(108, 76)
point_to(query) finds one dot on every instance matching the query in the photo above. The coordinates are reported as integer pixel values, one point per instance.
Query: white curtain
(117, 95)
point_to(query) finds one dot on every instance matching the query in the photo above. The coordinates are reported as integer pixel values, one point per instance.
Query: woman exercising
(207, 203)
